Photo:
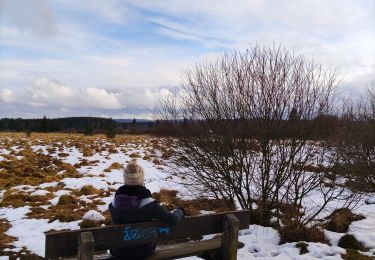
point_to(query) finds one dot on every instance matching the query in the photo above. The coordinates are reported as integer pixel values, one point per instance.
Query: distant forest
(74, 124)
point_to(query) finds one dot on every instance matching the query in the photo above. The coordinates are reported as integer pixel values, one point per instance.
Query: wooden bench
(84, 242)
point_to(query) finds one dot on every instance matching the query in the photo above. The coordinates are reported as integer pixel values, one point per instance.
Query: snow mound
(93, 215)
(39, 193)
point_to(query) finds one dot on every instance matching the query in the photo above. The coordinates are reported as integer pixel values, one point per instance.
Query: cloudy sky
(117, 58)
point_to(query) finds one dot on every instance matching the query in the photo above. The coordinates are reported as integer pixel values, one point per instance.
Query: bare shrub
(295, 232)
(244, 125)
(357, 149)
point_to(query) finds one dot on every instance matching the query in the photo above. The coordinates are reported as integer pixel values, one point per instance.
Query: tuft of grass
(302, 248)
(86, 223)
(167, 153)
(350, 242)
(156, 161)
(114, 166)
(147, 157)
(340, 220)
(5, 240)
(191, 207)
(135, 155)
(88, 190)
(15, 200)
(64, 217)
(355, 255)
(67, 200)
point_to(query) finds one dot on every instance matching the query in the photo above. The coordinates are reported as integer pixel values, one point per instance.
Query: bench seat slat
(176, 250)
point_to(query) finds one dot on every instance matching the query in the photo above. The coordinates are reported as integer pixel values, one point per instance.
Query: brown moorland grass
(114, 166)
(5, 240)
(192, 207)
(15, 199)
(72, 209)
(340, 219)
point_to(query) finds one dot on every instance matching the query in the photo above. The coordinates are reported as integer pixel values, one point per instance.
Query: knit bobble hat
(134, 175)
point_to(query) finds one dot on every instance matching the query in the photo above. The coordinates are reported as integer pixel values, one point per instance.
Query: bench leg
(229, 241)
(86, 246)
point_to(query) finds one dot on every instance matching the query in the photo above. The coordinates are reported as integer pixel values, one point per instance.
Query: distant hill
(74, 124)
(57, 124)
(126, 120)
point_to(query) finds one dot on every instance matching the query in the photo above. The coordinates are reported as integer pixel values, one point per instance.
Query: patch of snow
(206, 212)
(333, 237)
(2, 195)
(364, 230)
(78, 183)
(93, 215)
(30, 232)
(371, 200)
(61, 192)
(24, 187)
(104, 207)
(39, 192)
(48, 184)
(320, 250)
(85, 199)
(13, 214)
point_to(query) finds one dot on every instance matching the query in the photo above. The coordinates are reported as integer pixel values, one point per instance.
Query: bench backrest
(64, 243)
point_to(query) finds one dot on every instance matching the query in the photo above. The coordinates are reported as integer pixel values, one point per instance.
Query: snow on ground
(93, 215)
(260, 242)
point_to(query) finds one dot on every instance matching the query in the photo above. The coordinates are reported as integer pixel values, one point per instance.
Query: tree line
(87, 125)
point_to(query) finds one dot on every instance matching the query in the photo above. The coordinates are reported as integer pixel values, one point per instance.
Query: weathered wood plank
(229, 241)
(64, 243)
(176, 250)
(86, 246)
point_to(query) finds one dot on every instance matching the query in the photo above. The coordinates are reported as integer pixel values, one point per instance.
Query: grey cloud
(35, 16)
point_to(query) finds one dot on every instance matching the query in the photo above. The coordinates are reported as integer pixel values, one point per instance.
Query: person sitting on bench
(133, 204)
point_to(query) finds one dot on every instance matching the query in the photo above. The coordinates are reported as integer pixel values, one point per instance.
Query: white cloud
(123, 55)
(46, 89)
(100, 98)
(6, 95)
(46, 92)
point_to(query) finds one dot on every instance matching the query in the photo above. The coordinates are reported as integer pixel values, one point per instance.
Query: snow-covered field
(37, 173)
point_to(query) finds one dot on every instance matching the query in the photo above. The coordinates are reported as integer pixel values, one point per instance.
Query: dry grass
(67, 199)
(5, 240)
(355, 255)
(32, 168)
(340, 219)
(191, 207)
(114, 166)
(88, 190)
(302, 248)
(135, 155)
(17, 199)
(295, 232)
(350, 242)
